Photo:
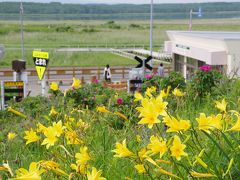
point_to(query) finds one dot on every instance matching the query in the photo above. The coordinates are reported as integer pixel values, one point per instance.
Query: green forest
(58, 11)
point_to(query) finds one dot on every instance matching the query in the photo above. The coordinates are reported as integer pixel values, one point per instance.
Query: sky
(123, 1)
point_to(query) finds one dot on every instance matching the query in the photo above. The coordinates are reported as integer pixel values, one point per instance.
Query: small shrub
(175, 79)
(64, 29)
(89, 95)
(204, 80)
(89, 30)
(134, 26)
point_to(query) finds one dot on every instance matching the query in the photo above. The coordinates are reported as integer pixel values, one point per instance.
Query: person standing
(107, 73)
(160, 70)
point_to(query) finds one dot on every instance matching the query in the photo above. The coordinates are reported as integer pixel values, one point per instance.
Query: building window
(178, 63)
(201, 63)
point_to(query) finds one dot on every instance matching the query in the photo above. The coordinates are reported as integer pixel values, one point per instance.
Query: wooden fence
(64, 75)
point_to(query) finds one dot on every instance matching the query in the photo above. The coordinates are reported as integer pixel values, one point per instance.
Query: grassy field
(114, 34)
(70, 59)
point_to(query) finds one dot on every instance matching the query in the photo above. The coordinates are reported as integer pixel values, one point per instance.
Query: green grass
(70, 59)
(48, 35)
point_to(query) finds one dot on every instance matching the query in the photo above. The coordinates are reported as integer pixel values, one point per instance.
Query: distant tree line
(57, 10)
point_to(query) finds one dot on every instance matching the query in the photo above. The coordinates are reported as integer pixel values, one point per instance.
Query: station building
(192, 49)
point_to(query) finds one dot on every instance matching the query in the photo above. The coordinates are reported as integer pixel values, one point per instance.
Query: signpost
(137, 74)
(12, 90)
(143, 63)
(40, 60)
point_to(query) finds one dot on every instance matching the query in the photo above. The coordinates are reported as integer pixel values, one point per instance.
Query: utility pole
(22, 75)
(151, 31)
(21, 20)
(199, 13)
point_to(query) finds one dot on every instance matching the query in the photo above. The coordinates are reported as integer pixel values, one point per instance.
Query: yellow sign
(13, 83)
(40, 71)
(40, 54)
(40, 60)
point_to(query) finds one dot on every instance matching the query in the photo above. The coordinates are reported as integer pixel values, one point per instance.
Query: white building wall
(214, 50)
(233, 47)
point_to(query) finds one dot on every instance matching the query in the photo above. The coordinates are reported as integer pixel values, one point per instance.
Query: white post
(43, 84)
(185, 68)
(2, 95)
(24, 90)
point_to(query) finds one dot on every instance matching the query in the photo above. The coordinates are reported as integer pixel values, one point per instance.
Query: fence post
(123, 72)
(48, 74)
(82, 79)
(98, 73)
(74, 72)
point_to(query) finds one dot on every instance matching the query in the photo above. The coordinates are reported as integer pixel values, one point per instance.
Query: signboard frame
(3, 105)
(40, 59)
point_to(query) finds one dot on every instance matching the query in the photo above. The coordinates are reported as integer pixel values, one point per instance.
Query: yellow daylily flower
(163, 161)
(31, 136)
(236, 126)
(81, 169)
(122, 150)
(82, 125)
(157, 145)
(11, 136)
(53, 112)
(201, 175)
(174, 125)
(102, 109)
(168, 173)
(217, 121)
(72, 137)
(138, 138)
(58, 128)
(95, 175)
(165, 92)
(201, 162)
(33, 173)
(82, 157)
(210, 122)
(54, 86)
(121, 115)
(51, 165)
(221, 105)
(10, 109)
(138, 96)
(76, 83)
(41, 128)
(51, 137)
(143, 154)
(140, 168)
(6, 167)
(150, 90)
(150, 111)
(2, 168)
(177, 148)
(177, 92)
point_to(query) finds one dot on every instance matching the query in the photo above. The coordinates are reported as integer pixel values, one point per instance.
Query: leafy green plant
(89, 95)
(204, 80)
(175, 79)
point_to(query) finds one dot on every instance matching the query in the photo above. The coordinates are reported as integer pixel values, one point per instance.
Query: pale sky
(123, 1)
